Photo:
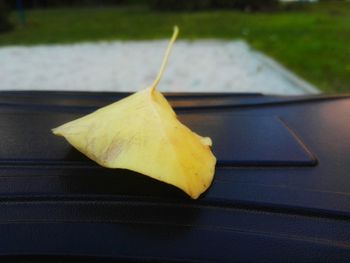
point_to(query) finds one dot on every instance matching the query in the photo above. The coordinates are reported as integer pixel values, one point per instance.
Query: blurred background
(286, 47)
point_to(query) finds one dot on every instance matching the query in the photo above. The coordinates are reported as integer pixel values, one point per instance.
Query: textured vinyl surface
(281, 190)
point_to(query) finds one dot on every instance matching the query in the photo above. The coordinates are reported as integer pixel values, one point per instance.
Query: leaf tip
(54, 131)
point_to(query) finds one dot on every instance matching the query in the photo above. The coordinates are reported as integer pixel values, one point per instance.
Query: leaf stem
(165, 58)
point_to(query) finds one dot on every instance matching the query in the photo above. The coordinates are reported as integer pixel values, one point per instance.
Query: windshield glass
(285, 47)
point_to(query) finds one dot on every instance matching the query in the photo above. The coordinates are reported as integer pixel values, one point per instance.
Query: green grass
(313, 42)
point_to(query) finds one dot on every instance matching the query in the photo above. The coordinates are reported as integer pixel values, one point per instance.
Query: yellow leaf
(142, 133)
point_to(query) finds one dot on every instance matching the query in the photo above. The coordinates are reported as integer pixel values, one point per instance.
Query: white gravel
(199, 66)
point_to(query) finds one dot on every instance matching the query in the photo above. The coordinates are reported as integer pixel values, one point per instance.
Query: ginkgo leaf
(142, 133)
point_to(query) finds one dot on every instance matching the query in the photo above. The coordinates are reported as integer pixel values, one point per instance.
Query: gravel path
(208, 66)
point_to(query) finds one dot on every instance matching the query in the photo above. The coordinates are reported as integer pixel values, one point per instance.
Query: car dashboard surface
(281, 190)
